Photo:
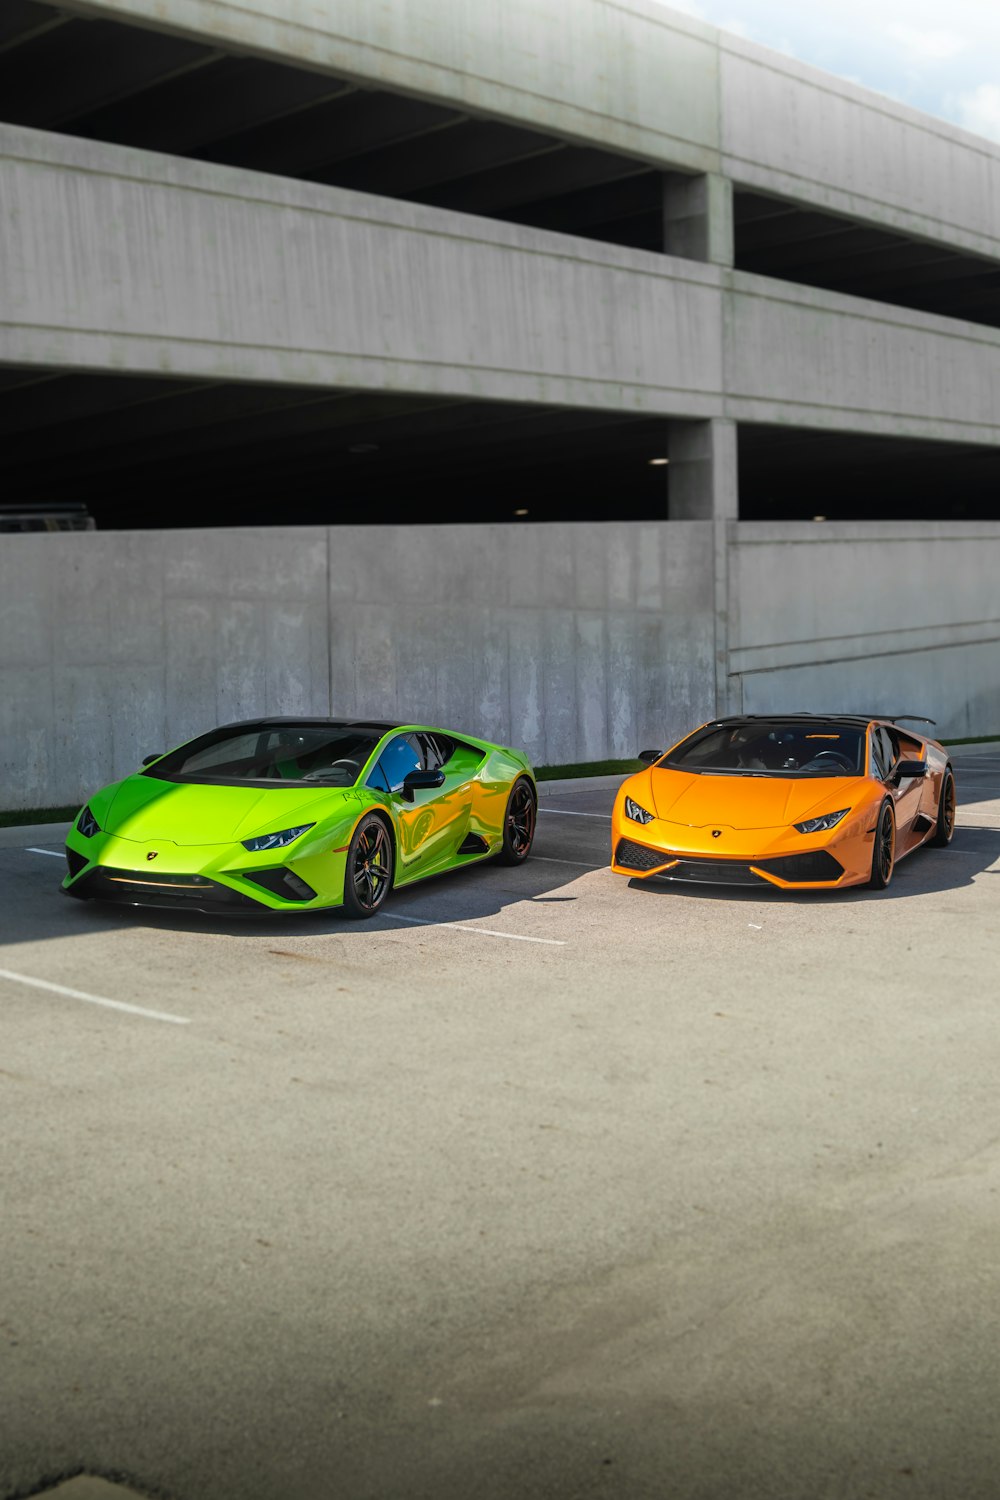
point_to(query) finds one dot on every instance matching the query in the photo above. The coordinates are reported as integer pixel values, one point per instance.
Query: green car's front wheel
(519, 823)
(368, 873)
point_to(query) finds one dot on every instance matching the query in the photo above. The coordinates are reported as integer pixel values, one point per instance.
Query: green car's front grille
(136, 888)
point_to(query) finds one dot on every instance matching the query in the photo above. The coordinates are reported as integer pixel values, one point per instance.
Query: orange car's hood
(746, 801)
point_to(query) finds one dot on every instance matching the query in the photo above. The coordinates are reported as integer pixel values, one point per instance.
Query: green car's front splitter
(206, 878)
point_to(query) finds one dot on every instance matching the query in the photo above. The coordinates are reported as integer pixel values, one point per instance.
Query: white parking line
(564, 812)
(62, 989)
(52, 853)
(514, 937)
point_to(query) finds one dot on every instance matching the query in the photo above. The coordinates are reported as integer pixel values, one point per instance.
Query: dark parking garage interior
(142, 453)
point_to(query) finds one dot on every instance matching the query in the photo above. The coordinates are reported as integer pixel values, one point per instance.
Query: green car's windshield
(773, 748)
(270, 755)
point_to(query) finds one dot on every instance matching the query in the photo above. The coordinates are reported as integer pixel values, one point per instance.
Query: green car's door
(434, 823)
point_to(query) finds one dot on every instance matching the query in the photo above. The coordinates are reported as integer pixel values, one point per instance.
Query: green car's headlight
(276, 840)
(87, 824)
(636, 813)
(818, 825)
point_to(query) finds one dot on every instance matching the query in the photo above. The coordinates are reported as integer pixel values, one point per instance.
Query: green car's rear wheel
(519, 823)
(368, 872)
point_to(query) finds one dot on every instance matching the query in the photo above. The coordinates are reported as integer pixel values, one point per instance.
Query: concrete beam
(640, 79)
(800, 356)
(801, 134)
(128, 260)
(124, 260)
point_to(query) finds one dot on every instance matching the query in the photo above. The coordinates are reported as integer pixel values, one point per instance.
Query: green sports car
(298, 814)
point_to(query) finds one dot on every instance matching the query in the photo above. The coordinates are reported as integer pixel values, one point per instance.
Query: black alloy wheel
(945, 826)
(519, 823)
(884, 852)
(368, 873)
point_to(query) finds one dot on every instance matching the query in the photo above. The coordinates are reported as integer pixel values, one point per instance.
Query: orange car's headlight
(636, 813)
(820, 825)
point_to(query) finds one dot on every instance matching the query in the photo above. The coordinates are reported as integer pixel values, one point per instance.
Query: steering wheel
(350, 766)
(835, 755)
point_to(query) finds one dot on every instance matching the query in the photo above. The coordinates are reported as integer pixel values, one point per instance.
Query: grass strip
(588, 768)
(24, 815)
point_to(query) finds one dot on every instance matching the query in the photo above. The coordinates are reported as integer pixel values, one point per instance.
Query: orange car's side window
(881, 758)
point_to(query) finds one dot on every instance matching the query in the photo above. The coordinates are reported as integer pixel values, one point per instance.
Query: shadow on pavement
(35, 908)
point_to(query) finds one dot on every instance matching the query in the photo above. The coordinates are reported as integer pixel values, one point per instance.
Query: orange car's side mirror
(904, 770)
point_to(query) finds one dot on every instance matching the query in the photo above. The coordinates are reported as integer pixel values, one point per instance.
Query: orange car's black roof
(857, 720)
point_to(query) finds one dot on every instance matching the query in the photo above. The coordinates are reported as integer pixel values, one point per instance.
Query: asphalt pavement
(541, 1184)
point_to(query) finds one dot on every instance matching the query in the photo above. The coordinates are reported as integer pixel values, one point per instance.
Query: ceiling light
(658, 462)
(819, 518)
(520, 513)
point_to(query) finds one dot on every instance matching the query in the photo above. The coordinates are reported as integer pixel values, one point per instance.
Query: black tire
(945, 826)
(369, 868)
(519, 821)
(884, 851)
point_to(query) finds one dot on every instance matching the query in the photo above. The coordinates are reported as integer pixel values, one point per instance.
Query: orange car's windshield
(773, 748)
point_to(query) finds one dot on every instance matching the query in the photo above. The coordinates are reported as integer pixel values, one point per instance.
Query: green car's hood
(190, 813)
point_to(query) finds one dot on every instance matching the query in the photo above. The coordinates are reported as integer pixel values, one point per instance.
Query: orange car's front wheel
(945, 825)
(884, 852)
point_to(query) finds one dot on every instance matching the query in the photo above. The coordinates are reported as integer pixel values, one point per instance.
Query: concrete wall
(132, 261)
(639, 78)
(573, 642)
(115, 645)
(867, 618)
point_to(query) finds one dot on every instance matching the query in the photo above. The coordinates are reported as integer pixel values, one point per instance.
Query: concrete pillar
(698, 217)
(703, 488)
(703, 470)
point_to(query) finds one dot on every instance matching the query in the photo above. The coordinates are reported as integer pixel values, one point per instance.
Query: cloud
(689, 7)
(736, 26)
(926, 46)
(979, 110)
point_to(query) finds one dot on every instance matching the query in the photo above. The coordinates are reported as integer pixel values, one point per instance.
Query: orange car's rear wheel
(884, 852)
(946, 812)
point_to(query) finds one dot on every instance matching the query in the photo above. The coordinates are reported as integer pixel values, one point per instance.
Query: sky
(943, 58)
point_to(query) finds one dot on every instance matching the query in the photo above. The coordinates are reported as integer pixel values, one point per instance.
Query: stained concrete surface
(600, 1191)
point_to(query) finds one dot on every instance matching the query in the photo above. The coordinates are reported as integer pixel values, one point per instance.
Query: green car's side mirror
(419, 781)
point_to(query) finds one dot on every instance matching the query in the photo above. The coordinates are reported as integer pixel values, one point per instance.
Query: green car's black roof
(309, 721)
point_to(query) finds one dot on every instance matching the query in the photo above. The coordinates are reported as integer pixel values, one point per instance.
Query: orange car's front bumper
(637, 852)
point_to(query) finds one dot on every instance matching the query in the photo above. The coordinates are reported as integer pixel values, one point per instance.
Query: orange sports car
(798, 801)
